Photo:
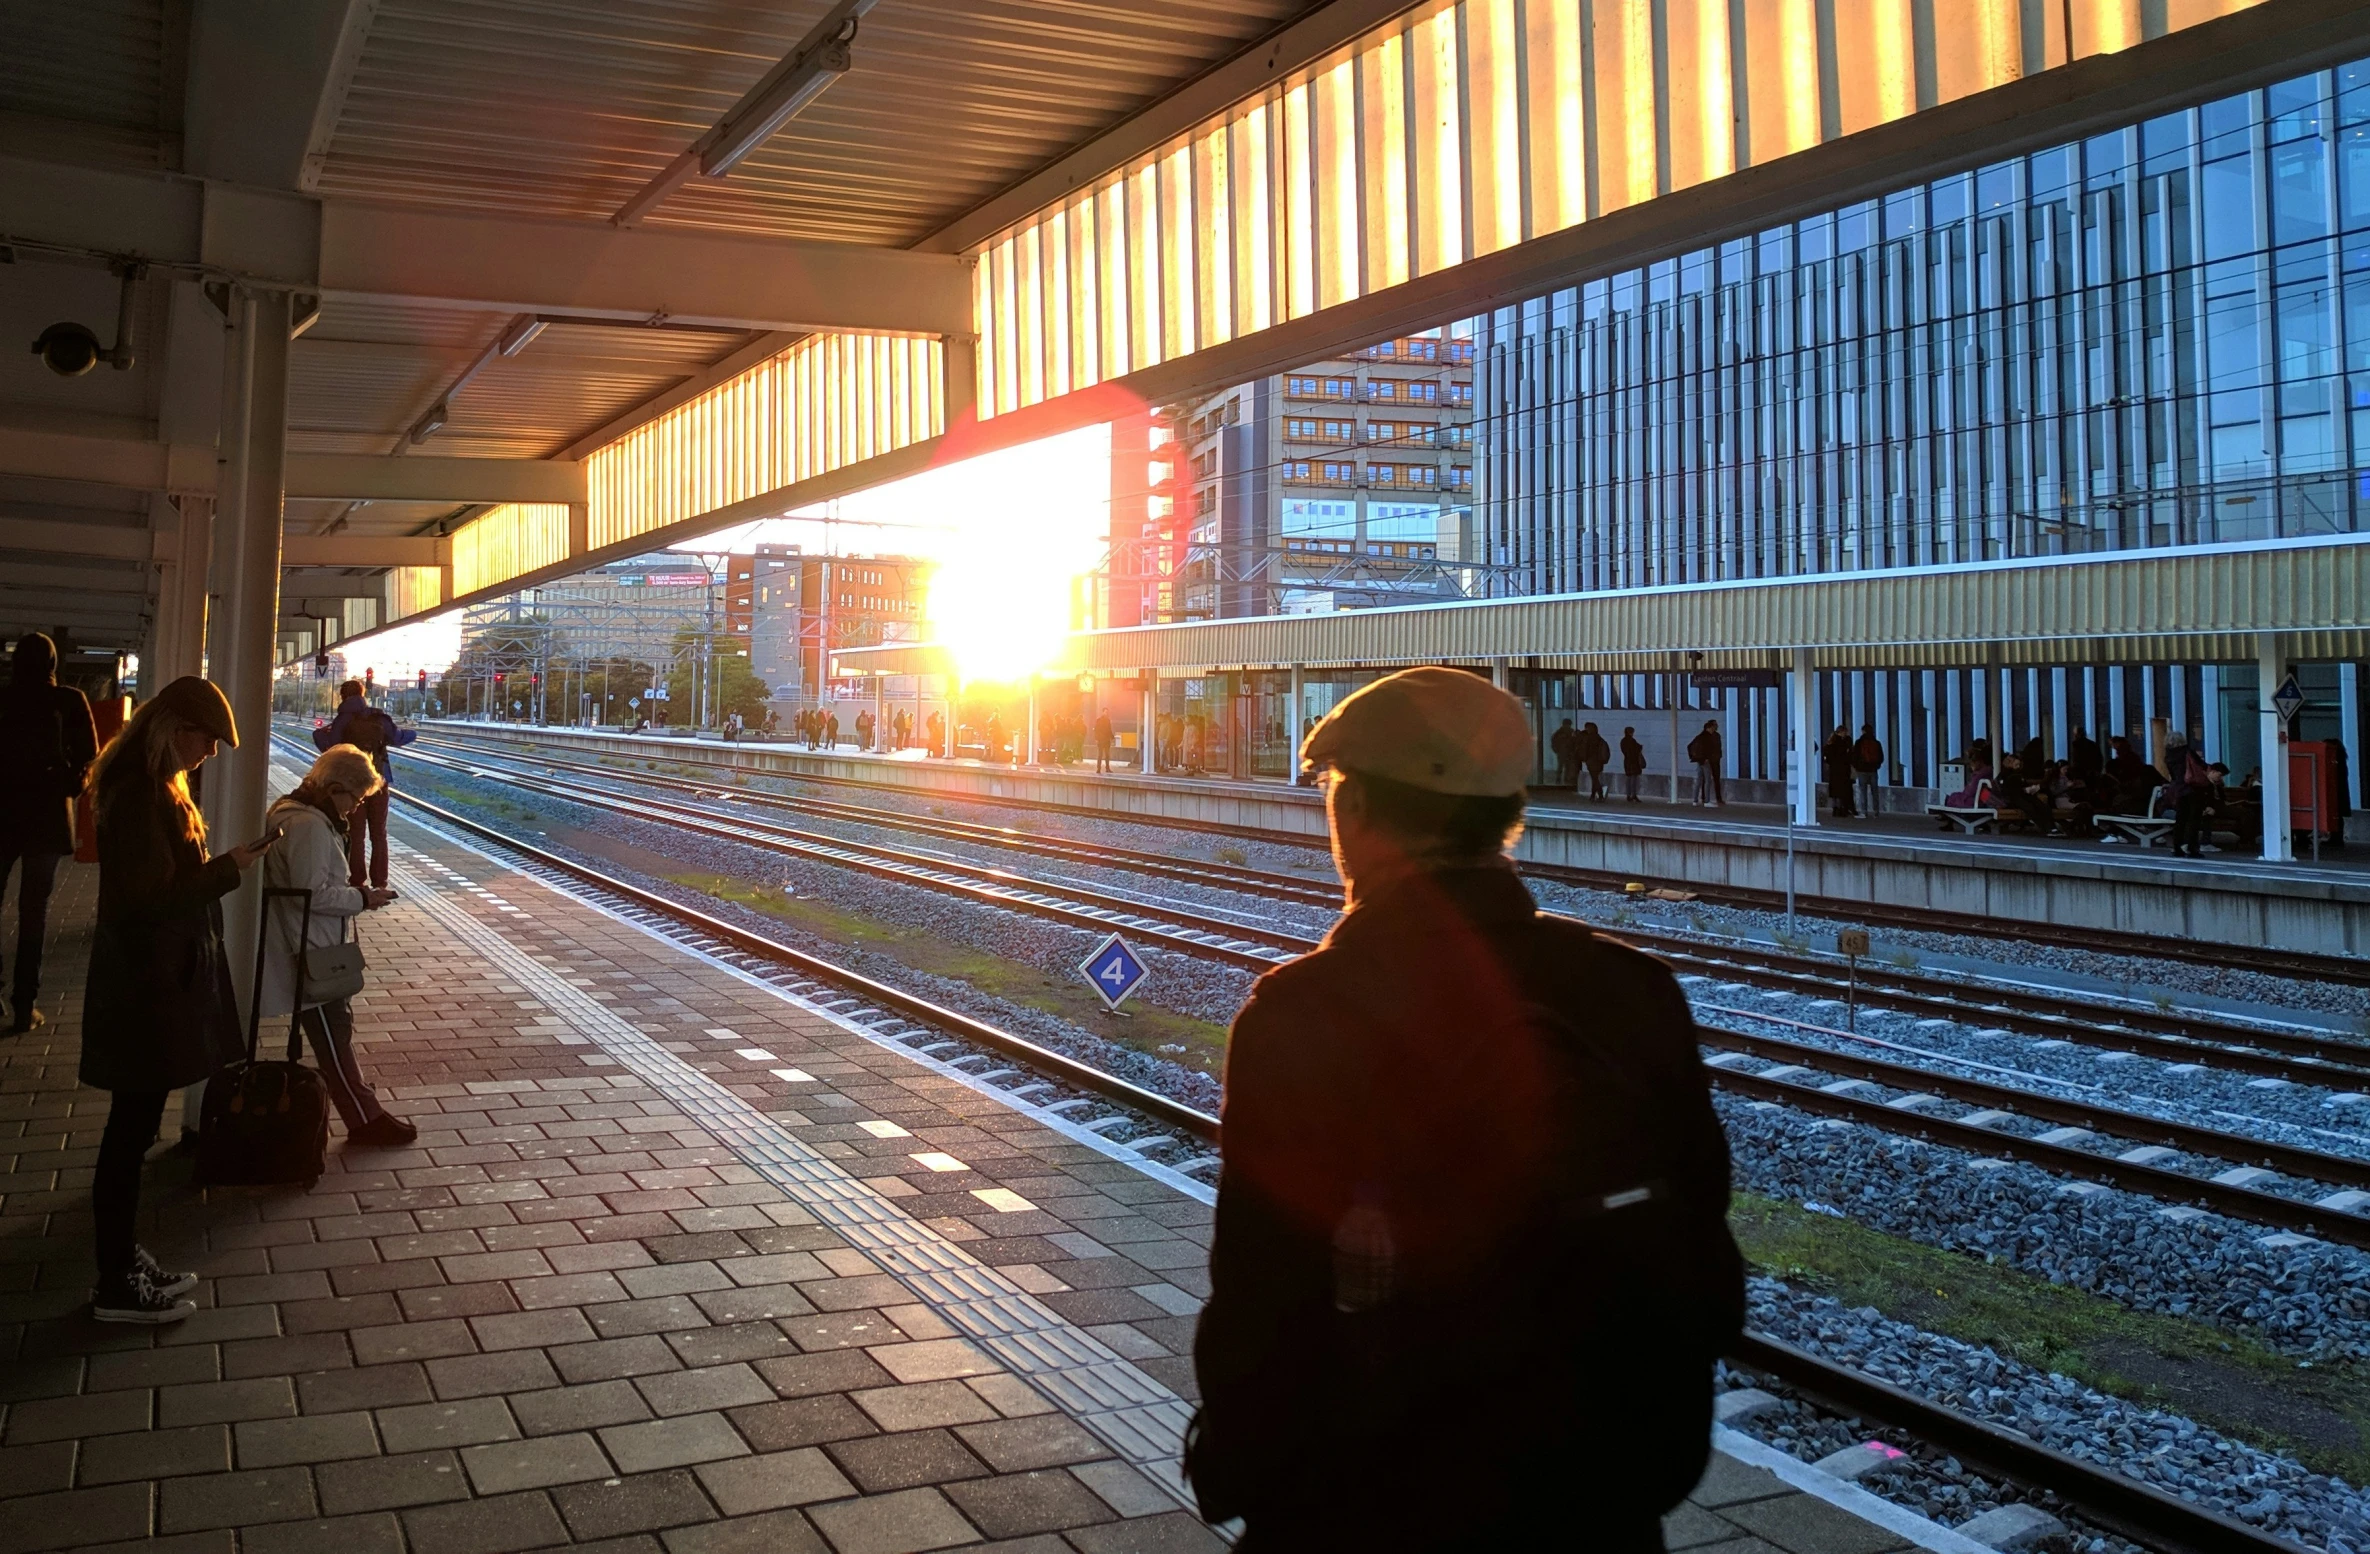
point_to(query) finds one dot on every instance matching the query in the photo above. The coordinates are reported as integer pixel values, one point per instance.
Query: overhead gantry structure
(422, 301)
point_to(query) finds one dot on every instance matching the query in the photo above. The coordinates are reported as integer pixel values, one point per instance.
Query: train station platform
(1888, 862)
(680, 1263)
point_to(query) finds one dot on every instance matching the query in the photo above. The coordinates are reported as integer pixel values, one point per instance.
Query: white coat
(310, 855)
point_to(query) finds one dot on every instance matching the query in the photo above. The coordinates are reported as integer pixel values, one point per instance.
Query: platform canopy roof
(2203, 605)
(572, 280)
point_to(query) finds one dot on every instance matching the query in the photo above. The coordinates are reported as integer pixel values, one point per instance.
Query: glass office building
(2156, 337)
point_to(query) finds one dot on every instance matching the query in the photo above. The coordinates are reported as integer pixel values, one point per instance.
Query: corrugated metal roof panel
(566, 107)
(90, 61)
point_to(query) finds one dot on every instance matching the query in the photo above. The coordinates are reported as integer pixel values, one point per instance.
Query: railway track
(2298, 1057)
(2111, 1500)
(2348, 970)
(2229, 1191)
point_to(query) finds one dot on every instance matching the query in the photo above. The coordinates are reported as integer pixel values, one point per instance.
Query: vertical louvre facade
(1464, 128)
(2157, 337)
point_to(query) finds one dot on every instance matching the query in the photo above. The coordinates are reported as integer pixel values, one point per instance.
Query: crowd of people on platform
(2066, 797)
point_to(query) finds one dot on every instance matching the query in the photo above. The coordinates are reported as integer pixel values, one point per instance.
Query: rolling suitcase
(266, 1124)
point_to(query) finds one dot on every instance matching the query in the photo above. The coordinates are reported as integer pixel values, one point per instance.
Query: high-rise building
(1339, 485)
(2141, 340)
(804, 606)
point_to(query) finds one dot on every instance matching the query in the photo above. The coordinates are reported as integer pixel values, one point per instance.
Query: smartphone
(265, 840)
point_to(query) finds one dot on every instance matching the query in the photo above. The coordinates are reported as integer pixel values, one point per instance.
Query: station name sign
(1735, 679)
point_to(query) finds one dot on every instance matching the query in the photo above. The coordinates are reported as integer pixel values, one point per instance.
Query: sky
(1010, 530)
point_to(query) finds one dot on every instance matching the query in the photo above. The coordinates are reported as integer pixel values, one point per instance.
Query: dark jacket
(158, 1011)
(1482, 1078)
(369, 730)
(47, 744)
(1633, 754)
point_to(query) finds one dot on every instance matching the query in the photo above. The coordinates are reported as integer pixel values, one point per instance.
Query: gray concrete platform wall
(2230, 900)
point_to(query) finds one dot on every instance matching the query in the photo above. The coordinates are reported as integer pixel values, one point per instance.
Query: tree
(732, 687)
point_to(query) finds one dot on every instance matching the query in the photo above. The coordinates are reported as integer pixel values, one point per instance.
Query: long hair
(144, 750)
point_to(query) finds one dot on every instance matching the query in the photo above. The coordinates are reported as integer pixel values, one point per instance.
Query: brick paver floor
(678, 1263)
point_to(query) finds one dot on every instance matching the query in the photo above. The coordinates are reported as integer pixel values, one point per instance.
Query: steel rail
(2350, 970)
(2174, 1038)
(1097, 854)
(1177, 931)
(2244, 1203)
(1070, 1071)
(2115, 1501)
(2111, 1499)
(2137, 1127)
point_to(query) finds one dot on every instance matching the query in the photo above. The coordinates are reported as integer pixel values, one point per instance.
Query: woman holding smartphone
(311, 824)
(158, 1010)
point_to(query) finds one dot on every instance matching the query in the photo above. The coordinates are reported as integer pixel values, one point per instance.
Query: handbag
(265, 1123)
(325, 973)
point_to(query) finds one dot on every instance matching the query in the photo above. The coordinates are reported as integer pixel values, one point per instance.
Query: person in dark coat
(1633, 764)
(1472, 1266)
(47, 744)
(1594, 753)
(375, 734)
(158, 1009)
(1102, 744)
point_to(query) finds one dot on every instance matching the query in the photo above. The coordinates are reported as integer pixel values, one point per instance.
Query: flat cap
(1441, 730)
(199, 701)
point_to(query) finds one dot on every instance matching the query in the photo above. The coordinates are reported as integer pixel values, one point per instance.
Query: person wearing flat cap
(1472, 1265)
(158, 1011)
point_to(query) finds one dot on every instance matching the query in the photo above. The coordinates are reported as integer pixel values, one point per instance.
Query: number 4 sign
(1114, 971)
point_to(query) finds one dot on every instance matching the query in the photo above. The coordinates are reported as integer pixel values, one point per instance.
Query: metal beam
(192, 469)
(266, 81)
(190, 228)
(133, 582)
(423, 478)
(504, 264)
(322, 583)
(364, 550)
(99, 541)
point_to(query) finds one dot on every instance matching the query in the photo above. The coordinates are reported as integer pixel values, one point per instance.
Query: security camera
(69, 349)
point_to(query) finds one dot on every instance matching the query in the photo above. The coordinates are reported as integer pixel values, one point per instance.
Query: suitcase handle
(263, 939)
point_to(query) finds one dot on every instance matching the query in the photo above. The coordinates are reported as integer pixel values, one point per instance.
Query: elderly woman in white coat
(311, 855)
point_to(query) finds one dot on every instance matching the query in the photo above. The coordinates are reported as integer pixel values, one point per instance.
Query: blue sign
(1114, 971)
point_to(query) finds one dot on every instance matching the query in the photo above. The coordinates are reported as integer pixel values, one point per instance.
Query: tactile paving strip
(1141, 1419)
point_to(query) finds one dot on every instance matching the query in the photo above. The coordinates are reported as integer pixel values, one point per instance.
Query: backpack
(266, 1124)
(32, 748)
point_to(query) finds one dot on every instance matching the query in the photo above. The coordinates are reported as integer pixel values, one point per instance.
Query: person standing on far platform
(1867, 768)
(1472, 1265)
(1705, 750)
(375, 734)
(1594, 753)
(1835, 766)
(1564, 745)
(47, 744)
(1633, 762)
(1102, 743)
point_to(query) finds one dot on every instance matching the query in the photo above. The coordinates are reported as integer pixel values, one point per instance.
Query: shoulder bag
(325, 973)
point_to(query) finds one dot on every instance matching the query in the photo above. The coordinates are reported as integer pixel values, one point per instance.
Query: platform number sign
(2289, 699)
(1114, 971)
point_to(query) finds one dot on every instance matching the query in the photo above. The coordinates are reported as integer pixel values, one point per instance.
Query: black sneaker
(383, 1132)
(167, 1283)
(132, 1298)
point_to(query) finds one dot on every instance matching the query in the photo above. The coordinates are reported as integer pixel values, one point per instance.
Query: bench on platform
(1969, 818)
(2146, 830)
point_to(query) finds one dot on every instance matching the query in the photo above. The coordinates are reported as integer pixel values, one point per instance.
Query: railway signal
(1114, 971)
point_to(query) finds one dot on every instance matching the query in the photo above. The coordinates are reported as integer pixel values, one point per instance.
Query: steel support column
(1298, 731)
(1148, 730)
(238, 792)
(2270, 669)
(1802, 738)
